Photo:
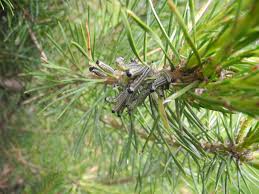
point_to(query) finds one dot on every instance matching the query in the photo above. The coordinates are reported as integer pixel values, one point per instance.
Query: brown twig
(119, 181)
(11, 84)
(208, 147)
(228, 149)
(38, 46)
(34, 39)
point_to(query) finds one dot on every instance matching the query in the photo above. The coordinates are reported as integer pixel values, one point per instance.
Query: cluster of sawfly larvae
(134, 81)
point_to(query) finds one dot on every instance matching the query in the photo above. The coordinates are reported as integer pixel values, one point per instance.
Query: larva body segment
(120, 102)
(129, 99)
(126, 66)
(161, 80)
(133, 64)
(136, 71)
(105, 67)
(137, 82)
(167, 76)
(97, 71)
(139, 100)
(119, 61)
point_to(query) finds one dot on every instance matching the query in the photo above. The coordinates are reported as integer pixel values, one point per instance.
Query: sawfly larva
(137, 82)
(97, 71)
(135, 71)
(161, 80)
(120, 102)
(105, 67)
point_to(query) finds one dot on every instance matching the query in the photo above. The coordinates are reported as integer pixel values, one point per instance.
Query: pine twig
(228, 149)
(33, 37)
(38, 46)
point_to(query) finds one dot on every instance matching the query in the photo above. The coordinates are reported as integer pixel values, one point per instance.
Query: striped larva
(97, 71)
(119, 61)
(126, 66)
(133, 72)
(120, 102)
(136, 83)
(161, 80)
(139, 100)
(167, 76)
(105, 67)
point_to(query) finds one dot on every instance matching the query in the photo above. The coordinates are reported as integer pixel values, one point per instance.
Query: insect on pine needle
(135, 83)
(97, 72)
(133, 72)
(105, 67)
(139, 80)
(120, 102)
(139, 100)
(163, 79)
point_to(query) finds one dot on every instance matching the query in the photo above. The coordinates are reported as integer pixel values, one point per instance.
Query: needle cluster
(135, 82)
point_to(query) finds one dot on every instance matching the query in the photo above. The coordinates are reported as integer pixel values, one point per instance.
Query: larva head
(128, 73)
(152, 88)
(130, 90)
(119, 61)
(91, 68)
